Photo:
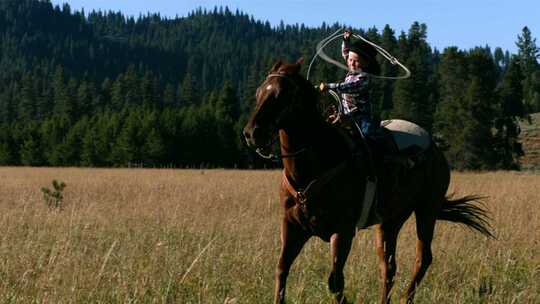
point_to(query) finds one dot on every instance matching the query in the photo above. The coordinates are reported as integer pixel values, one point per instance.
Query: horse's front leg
(292, 240)
(340, 245)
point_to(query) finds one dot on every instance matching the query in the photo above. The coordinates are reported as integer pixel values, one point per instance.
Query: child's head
(356, 62)
(362, 57)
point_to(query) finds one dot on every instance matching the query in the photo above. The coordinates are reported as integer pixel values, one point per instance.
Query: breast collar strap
(299, 195)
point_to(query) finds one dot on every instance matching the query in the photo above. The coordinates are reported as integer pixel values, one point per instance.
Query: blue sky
(460, 23)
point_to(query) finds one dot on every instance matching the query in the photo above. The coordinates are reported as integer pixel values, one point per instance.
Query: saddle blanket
(407, 134)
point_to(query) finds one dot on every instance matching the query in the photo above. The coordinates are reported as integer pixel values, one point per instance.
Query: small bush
(54, 198)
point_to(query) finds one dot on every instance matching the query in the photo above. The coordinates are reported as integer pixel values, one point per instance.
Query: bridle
(289, 108)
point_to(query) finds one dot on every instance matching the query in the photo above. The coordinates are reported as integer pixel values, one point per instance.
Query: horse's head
(281, 98)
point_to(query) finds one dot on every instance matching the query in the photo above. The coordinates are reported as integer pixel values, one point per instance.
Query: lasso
(323, 43)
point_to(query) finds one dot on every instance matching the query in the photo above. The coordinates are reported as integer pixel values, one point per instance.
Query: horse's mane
(293, 70)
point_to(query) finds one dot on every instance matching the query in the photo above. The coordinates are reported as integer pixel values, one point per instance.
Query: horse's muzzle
(257, 137)
(248, 135)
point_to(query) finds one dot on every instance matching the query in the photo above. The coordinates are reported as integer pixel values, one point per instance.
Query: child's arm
(345, 45)
(357, 86)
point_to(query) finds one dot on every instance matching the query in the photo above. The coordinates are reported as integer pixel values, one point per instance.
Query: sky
(461, 23)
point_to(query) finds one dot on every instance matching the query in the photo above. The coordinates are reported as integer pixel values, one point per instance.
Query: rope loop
(337, 34)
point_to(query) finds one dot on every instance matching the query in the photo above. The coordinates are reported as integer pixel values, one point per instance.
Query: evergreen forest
(101, 89)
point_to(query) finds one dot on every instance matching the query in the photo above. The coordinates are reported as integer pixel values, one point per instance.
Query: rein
(274, 157)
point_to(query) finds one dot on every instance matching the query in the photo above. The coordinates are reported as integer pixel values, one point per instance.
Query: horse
(316, 155)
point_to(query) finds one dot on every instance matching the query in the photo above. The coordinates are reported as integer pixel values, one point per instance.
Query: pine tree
(510, 93)
(389, 43)
(411, 97)
(71, 146)
(188, 95)
(30, 148)
(498, 57)
(126, 149)
(479, 112)
(528, 51)
(89, 156)
(85, 98)
(7, 146)
(132, 84)
(64, 99)
(150, 98)
(153, 149)
(53, 132)
(449, 116)
(107, 130)
(29, 95)
(6, 106)
(169, 97)
(118, 94)
(528, 54)
(226, 113)
(477, 136)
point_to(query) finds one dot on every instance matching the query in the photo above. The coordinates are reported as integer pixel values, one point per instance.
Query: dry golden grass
(188, 236)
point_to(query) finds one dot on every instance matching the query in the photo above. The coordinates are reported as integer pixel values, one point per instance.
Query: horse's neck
(321, 149)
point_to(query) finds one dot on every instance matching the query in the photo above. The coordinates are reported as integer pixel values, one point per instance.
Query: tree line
(105, 89)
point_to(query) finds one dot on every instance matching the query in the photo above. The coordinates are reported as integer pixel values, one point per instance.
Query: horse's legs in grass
(292, 241)
(425, 225)
(386, 238)
(340, 246)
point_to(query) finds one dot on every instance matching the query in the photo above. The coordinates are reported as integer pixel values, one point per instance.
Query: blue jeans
(366, 124)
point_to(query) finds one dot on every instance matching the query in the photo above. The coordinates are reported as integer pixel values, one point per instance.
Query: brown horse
(317, 156)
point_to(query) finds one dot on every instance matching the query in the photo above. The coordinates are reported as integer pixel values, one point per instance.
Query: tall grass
(189, 236)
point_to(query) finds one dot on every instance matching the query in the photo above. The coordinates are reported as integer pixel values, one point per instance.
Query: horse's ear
(298, 64)
(276, 66)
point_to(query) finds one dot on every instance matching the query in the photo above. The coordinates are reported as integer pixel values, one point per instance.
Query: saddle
(397, 142)
(411, 141)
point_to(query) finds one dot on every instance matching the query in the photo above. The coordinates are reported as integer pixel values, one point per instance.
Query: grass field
(181, 236)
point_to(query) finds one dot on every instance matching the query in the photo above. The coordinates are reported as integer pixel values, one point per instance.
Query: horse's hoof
(406, 301)
(343, 300)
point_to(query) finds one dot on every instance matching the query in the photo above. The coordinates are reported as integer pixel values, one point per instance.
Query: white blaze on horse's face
(261, 129)
(265, 104)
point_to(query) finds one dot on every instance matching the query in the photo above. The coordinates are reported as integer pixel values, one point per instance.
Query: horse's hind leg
(385, 242)
(425, 225)
(292, 241)
(340, 245)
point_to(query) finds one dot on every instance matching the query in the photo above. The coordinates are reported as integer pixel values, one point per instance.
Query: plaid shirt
(354, 89)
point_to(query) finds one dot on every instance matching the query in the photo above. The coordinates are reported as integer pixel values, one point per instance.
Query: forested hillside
(103, 89)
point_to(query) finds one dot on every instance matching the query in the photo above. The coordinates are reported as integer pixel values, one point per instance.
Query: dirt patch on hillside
(530, 138)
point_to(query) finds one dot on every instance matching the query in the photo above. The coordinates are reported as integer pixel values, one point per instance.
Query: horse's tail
(469, 211)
